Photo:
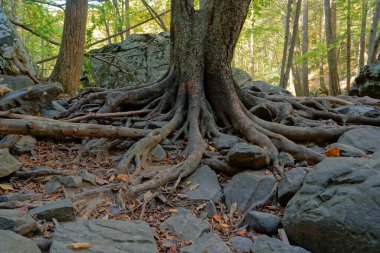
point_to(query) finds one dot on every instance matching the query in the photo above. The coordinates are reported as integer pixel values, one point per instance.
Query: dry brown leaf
(173, 210)
(122, 177)
(332, 152)
(78, 245)
(6, 187)
(224, 225)
(211, 148)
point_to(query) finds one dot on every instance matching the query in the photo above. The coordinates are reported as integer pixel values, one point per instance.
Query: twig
(39, 173)
(23, 70)
(27, 28)
(107, 115)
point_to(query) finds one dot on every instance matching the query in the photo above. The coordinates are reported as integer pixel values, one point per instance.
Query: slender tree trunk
(107, 25)
(127, 17)
(297, 70)
(252, 49)
(305, 49)
(68, 67)
(348, 86)
(286, 41)
(119, 19)
(363, 30)
(373, 33)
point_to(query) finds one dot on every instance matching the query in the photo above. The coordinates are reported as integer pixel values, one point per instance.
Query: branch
(154, 14)
(49, 3)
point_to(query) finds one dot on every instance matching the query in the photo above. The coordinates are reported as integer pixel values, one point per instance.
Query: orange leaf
(173, 249)
(218, 217)
(122, 177)
(78, 245)
(243, 232)
(333, 152)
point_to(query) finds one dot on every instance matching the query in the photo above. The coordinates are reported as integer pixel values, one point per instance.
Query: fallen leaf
(332, 152)
(173, 210)
(193, 187)
(224, 225)
(101, 181)
(111, 178)
(78, 245)
(243, 232)
(217, 217)
(211, 148)
(148, 195)
(188, 182)
(106, 217)
(122, 177)
(6, 187)
(233, 208)
(172, 249)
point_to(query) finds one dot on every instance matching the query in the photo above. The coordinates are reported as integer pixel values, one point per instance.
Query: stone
(52, 186)
(242, 244)
(111, 236)
(261, 86)
(185, 225)
(10, 242)
(88, 177)
(210, 209)
(51, 114)
(286, 159)
(158, 153)
(17, 221)
(241, 77)
(8, 164)
(248, 188)
(24, 145)
(61, 210)
(208, 243)
(347, 150)
(54, 105)
(224, 141)
(264, 223)
(208, 189)
(71, 181)
(16, 82)
(358, 110)
(246, 156)
(290, 184)
(367, 82)
(366, 139)
(338, 207)
(265, 244)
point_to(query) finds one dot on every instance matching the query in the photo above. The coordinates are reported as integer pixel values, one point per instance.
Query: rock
(208, 189)
(265, 244)
(16, 82)
(367, 82)
(359, 110)
(366, 139)
(54, 105)
(88, 177)
(12, 48)
(264, 223)
(185, 225)
(24, 145)
(8, 164)
(338, 207)
(290, 184)
(208, 243)
(224, 141)
(61, 210)
(261, 86)
(286, 159)
(11, 242)
(211, 209)
(241, 77)
(52, 186)
(247, 157)
(248, 188)
(71, 181)
(17, 221)
(158, 152)
(51, 114)
(109, 236)
(19, 197)
(347, 150)
(30, 100)
(242, 244)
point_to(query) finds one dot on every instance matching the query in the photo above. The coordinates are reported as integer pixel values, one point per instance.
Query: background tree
(305, 49)
(373, 33)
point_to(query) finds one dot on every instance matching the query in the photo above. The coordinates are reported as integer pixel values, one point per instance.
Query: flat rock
(265, 244)
(11, 242)
(248, 188)
(359, 110)
(8, 164)
(18, 221)
(247, 157)
(290, 184)
(286, 159)
(52, 186)
(185, 225)
(71, 181)
(366, 139)
(158, 153)
(347, 150)
(208, 243)
(208, 189)
(16, 82)
(264, 223)
(24, 145)
(109, 236)
(242, 244)
(61, 210)
(338, 207)
(261, 86)
(224, 141)
(88, 177)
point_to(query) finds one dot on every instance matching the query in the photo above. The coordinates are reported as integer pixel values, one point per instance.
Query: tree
(286, 41)
(305, 48)
(68, 67)
(348, 45)
(372, 35)
(363, 29)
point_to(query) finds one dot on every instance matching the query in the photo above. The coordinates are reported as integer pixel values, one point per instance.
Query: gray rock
(8, 164)
(51, 114)
(71, 181)
(52, 186)
(61, 210)
(10, 242)
(24, 145)
(18, 221)
(367, 82)
(248, 188)
(88, 177)
(54, 105)
(16, 82)
(290, 184)
(286, 159)
(347, 150)
(264, 223)
(211, 209)
(241, 77)
(185, 225)
(158, 152)
(208, 243)
(242, 244)
(265, 244)
(109, 236)
(366, 139)
(208, 189)
(338, 207)
(224, 141)
(359, 110)
(247, 156)
(261, 86)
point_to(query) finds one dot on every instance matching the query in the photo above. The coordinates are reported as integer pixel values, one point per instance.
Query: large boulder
(265, 244)
(365, 139)
(338, 207)
(261, 86)
(11, 242)
(16, 82)
(367, 83)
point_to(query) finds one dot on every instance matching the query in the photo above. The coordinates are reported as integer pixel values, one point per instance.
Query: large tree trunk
(373, 33)
(348, 86)
(68, 67)
(305, 49)
(286, 42)
(363, 29)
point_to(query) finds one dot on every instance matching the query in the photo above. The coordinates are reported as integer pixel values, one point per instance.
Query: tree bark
(68, 67)
(348, 86)
(252, 49)
(286, 41)
(305, 49)
(373, 34)
(363, 30)
(119, 19)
